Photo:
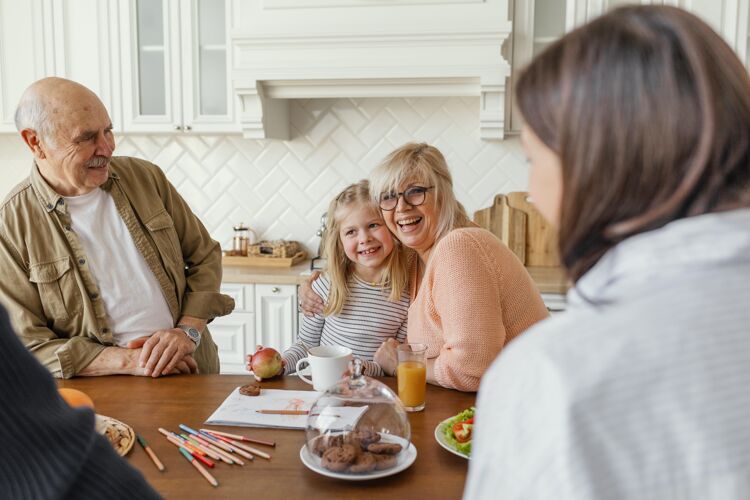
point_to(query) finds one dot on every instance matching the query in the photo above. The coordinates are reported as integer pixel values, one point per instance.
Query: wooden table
(146, 404)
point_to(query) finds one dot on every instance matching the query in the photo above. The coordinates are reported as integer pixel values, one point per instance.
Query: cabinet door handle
(177, 127)
(275, 289)
(188, 127)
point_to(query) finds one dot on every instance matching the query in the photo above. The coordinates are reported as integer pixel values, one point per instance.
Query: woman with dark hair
(638, 136)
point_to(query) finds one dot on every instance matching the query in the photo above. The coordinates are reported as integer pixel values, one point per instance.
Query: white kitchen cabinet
(538, 23)
(41, 38)
(276, 315)
(20, 63)
(263, 314)
(235, 337)
(175, 63)
(90, 55)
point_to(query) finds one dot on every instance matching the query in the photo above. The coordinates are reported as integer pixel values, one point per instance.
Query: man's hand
(387, 357)
(186, 365)
(310, 303)
(163, 351)
(124, 361)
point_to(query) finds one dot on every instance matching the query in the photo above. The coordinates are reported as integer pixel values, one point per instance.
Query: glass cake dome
(358, 427)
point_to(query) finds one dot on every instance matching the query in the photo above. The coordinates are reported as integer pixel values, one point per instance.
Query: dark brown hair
(649, 111)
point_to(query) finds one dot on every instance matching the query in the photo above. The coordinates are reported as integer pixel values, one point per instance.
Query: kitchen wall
(281, 188)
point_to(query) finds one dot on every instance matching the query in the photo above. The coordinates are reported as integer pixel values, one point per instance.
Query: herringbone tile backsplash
(281, 188)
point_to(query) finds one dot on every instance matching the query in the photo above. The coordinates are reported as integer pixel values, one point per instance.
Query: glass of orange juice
(411, 374)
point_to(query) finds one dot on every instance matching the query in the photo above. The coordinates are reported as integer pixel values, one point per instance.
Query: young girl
(364, 284)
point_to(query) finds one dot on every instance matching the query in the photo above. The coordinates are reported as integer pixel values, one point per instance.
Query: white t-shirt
(132, 296)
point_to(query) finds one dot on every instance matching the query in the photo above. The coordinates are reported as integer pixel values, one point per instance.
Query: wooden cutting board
(518, 223)
(541, 237)
(506, 223)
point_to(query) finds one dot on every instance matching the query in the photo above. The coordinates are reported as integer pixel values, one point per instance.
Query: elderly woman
(470, 294)
(638, 136)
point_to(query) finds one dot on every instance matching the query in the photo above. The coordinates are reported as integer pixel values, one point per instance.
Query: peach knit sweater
(474, 298)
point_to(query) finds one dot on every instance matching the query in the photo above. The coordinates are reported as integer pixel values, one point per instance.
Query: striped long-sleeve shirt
(367, 320)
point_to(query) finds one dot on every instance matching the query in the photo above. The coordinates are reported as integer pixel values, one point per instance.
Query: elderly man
(105, 268)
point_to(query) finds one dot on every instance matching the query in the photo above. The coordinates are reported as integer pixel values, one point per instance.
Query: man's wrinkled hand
(310, 303)
(164, 350)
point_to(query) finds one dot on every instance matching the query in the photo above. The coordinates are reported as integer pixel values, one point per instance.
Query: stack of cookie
(355, 452)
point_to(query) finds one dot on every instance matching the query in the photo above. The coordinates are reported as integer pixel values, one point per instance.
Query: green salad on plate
(457, 431)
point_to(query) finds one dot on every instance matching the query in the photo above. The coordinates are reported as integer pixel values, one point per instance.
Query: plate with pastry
(352, 458)
(119, 434)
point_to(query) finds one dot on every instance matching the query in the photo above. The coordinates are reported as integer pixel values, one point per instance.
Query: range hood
(293, 49)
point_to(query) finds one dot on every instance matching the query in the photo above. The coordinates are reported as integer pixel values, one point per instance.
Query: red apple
(265, 363)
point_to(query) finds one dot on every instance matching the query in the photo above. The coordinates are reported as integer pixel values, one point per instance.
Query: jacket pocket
(58, 292)
(161, 227)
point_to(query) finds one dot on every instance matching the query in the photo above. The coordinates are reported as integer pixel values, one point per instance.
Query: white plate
(440, 438)
(407, 457)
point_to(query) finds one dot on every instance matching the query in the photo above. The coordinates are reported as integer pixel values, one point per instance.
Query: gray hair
(31, 113)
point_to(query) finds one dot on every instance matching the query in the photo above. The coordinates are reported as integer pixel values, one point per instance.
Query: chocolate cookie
(365, 462)
(384, 448)
(354, 439)
(325, 441)
(366, 437)
(339, 458)
(250, 390)
(385, 461)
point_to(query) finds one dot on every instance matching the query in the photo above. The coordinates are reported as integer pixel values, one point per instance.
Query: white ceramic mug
(327, 365)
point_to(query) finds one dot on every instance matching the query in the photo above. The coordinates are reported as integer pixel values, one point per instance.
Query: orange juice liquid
(412, 382)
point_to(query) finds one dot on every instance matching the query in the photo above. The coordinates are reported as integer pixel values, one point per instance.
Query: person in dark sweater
(50, 450)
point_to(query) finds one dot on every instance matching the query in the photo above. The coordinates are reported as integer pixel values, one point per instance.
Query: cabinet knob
(275, 289)
(177, 127)
(188, 127)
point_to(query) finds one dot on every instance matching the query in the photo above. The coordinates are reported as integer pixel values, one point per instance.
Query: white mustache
(98, 161)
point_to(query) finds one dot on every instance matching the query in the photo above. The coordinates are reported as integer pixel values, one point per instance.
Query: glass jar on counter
(241, 240)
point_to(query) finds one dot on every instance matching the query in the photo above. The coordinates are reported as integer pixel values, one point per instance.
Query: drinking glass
(411, 374)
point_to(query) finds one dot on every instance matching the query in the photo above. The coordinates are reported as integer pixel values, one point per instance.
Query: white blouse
(641, 389)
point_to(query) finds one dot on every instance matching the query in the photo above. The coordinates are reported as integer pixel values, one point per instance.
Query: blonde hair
(338, 266)
(421, 163)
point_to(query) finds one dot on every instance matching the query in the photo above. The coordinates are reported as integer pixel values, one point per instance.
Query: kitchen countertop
(267, 275)
(548, 279)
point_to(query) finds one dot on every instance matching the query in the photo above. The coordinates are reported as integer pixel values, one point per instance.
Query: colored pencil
(192, 450)
(283, 412)
(238, 437)
(216, 452)
(150, 452)
(192, 443)
(226, 444)
(181, 442)
(204, 461)
(218, 442)
(245, 447)
(178, 440)
(220, 455)
(252, 450)
(215, 445)
(190, 458)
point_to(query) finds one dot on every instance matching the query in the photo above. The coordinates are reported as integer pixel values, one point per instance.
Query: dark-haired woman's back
(637, 130)
(640, 390)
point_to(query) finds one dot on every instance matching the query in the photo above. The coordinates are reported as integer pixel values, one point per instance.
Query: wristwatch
(192, 333)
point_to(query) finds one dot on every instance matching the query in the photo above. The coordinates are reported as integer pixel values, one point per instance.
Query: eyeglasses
(414, 196)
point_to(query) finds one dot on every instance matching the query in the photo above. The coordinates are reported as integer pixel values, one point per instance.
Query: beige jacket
(51, 294)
